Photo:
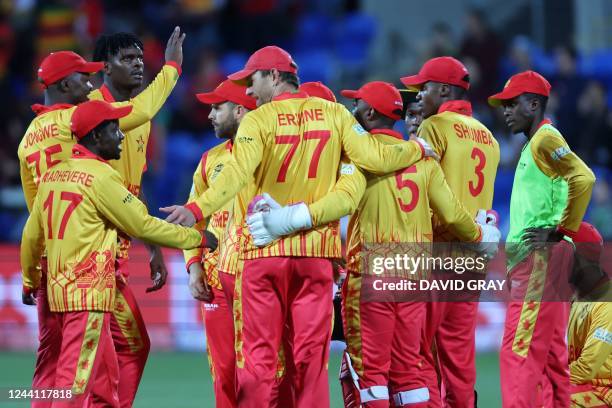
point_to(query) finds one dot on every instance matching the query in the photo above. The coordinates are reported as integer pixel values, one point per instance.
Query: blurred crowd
(331, 40)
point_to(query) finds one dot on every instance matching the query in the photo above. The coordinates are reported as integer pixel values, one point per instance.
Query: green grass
(182, 380)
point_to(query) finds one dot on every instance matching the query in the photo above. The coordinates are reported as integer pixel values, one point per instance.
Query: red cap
(589, 242)
(524, 82)
(382, 96)
(90, 114)
(270, 57)
(319, 90)
(228, 91)
(58, 65)
(445, 70)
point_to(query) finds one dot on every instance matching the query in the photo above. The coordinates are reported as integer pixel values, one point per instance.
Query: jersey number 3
(294, 140)
(479, 155)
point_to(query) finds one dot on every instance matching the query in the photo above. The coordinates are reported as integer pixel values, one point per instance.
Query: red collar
(229, 145)
(290, 95)
(40, 109)
(458, 106)
(544, 121)
(389, 132)
(81, 152)
(106, 93)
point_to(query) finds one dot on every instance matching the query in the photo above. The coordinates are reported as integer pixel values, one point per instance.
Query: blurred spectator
(567, 86)
(601, 210)
(593, 126)
(442, 42)
(518, 58)
(482, 44)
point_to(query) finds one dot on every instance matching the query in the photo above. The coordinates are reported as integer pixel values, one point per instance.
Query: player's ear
(444, 90)
(107, 68)
(275, 76)
(371, 114)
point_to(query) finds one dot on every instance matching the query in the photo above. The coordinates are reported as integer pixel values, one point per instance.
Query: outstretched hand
(179, 215)
(174, 47)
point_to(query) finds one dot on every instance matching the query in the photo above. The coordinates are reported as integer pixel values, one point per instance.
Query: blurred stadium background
(340, 42)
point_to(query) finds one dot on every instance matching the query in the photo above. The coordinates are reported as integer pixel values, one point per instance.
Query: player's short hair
(287, 77)
(543, 100)
(458, 92)
(109, 45)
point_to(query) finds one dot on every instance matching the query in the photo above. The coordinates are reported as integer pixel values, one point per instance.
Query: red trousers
(50, 341)
(280, 297)
(219, 324)
(130, 338)
(449, 352)
(534, 349)
(384, 341)
(86, 352)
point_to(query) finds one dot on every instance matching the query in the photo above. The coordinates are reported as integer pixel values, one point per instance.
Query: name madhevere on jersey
(307, 115)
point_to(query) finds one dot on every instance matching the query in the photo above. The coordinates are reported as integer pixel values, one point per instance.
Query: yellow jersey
(589, 337)
(396, 207)
(48, 139)
(208, 169)
(292, 148)
(469, 156)
(80, 205)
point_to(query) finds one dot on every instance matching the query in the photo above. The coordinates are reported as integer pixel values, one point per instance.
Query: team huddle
(261, 236)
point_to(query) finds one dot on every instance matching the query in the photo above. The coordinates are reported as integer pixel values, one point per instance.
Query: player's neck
(282, 88)
(535, 125)
(120, 94)
(53, 98)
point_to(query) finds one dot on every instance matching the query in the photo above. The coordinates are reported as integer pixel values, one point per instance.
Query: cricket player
(384, 337)
(469, 155)
(291, 145)
(551, 191)
(215, 271)
(48, 141)
(80, 205)
(589, 331)
(122, 56)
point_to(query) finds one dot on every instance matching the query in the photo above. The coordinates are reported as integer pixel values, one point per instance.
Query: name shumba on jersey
(469, 156)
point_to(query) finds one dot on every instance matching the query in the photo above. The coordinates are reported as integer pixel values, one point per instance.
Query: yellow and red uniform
(79, 206)
(469, 156)
(48, 139)
(292, 147)
(130, 336)
(209, 167)
(76, 201)
(395, 208)
(589, 336)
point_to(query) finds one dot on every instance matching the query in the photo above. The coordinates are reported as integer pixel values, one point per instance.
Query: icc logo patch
(216, 171)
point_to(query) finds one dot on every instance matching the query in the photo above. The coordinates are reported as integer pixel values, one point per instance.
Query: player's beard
(228, 129)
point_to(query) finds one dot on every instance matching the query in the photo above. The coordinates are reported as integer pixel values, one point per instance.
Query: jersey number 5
(294, 140)
(482, 161)
(410, 184)
(73, 198)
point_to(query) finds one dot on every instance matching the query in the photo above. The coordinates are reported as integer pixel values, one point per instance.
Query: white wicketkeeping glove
(268, 220)
(489, 242)
(429, 152)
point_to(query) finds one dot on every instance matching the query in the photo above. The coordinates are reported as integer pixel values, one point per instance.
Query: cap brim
(414, 83)
(91, 67)
(210, 98)
(497, 99)
(241, 75)
(348, 93)
(118, 113)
